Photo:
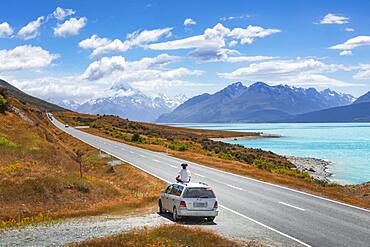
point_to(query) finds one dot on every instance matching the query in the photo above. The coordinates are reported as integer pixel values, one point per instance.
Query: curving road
(287, 216)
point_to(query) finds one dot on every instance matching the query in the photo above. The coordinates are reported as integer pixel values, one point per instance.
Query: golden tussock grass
(167, 235)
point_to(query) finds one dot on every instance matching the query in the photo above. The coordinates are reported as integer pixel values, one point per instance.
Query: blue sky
(80, 50)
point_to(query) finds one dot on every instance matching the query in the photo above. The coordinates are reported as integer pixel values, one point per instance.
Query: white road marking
(123, 149)
(142, 155)
(286, 204)
(199, 175)
(156, 160)
(132, 152)
(266, 226)
(173, 166)
(234, 187)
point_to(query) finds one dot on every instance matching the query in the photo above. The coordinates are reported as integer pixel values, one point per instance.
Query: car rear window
(199, 193)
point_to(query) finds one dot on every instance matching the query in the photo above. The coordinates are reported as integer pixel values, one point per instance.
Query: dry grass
(39, 175)
(353, 194)
(168, 235)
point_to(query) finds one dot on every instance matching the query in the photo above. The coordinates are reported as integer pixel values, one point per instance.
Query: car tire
(210, 219)
(161, 210)
(175, 216)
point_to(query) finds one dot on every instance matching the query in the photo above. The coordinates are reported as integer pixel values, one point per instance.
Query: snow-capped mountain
(256, 103)
(131, 103)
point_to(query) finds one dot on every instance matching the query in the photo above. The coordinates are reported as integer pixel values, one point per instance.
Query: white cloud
(102, 46)
(5, 30)
(70, 27)
(349, 29)
(363, 73)
(106, 66)
(25, 57)
(352, 43)
(346, 53)
(209, 45)
(31, 30)
(248, 35)
(229, 18)
(60, 13)
(94, 42)
(233, 43)
(334, 19)
(296, 72)
(189, 21)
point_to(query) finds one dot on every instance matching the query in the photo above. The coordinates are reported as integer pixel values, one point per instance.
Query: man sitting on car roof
(184, 174)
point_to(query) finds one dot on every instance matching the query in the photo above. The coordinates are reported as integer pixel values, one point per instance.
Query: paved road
(301, 219)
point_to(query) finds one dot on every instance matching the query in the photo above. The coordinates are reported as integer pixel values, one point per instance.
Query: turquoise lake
(346, 145)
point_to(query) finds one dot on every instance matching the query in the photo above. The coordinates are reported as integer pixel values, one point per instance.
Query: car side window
(168, 190)
(179, 190)
(173, 190)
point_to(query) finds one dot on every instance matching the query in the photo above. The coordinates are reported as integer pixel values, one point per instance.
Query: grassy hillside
(26, 99)
(195, 145)
(40, 179)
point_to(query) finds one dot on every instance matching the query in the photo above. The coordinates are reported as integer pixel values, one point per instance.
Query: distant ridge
(363, 99)
(23, 97)
(259, 102)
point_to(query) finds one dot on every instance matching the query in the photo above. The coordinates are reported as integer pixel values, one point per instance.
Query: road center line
(199, 175)
(173, 166)
(142, 155)
(266, 226)
(234, 187)
(156, 160)
(286, 204)
(132, 152)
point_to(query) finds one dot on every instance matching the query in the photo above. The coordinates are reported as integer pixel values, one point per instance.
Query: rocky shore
(317, 168)
(239, 138)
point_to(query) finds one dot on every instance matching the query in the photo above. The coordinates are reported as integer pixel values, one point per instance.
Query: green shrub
(136, 138)
(7, 143)
(3, 104)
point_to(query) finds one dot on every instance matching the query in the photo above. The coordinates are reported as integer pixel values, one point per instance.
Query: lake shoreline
(317, 168)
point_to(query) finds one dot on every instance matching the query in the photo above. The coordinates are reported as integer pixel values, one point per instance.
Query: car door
(173, 197)
(165, 198)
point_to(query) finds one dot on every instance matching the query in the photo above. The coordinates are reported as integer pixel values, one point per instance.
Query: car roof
(194, 185)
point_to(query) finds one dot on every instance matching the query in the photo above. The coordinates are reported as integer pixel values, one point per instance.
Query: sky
(79, 50)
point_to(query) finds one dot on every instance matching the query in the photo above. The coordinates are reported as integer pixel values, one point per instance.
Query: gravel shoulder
(76, 230)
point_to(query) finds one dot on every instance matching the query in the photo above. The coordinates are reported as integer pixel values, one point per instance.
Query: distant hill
(363, 99)
(359, 112)
(256, 103)
(25, 98)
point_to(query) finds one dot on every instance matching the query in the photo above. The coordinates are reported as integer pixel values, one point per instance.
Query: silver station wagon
(189, 200)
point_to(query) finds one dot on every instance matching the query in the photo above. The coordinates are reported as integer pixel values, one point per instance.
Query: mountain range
(127, 102)
(256, 103)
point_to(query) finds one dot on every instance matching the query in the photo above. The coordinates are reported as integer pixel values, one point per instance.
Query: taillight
(216, 205)
(182, 204)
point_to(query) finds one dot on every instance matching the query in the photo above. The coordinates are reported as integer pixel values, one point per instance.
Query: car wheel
(175, 216)
(210, 219)
(161, 210)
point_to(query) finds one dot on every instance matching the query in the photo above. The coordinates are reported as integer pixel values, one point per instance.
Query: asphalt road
(300, 218)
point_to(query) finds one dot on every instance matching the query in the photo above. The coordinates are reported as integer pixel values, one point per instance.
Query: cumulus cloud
(5, 30)
(209, 46)
(352, 43)
(26, 57)
(363, 73)
(31, 30)
(60, 13)
(107, 66)
(102, 46)
(70, 27)
(297, 71)
(247, 36)
(334, 19)
(189, 21)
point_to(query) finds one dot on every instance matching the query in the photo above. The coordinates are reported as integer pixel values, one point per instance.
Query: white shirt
(185, 175)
